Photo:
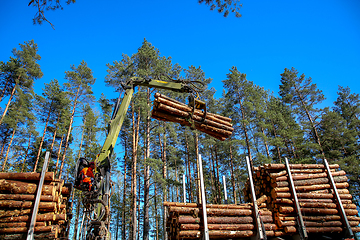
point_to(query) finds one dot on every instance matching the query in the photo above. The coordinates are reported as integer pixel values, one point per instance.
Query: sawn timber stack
(17, 197)
(168, 109)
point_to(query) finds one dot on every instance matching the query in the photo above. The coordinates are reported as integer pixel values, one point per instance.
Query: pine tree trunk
(123, 231)
(69, 132)
(42, 141)
(8, 149)
(316, 135)
(10, 98)
(135, 139)
(76, 220)
(197, 166)
(138, 207)
(81, 141)
(53, 141)
(245, 131)
(58, 155)
(218, 175)
(147, 173)
(165, 177)
(26, 154)
(265, 142)
(277, 147)
(156, 213)
(212, 178)
(4, 90)
(189, 174)
(232, 175)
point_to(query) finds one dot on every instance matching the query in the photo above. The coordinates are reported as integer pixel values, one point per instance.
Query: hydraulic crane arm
(115, 124)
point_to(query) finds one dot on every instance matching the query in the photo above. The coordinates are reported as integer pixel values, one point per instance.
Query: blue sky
(319, 38)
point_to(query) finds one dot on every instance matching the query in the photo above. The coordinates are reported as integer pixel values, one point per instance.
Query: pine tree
(20, 71)
(80, 79)
(303, 96)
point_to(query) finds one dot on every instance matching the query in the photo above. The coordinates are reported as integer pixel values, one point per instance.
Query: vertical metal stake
(203, 200)
(30, 235)
(225, 193)
(260, 229)
(300, 221)
(184, 188)
(348, 231)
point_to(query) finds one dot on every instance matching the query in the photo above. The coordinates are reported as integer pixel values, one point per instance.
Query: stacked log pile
(168, 109)
(316, 198)
(228, 221)
(17, 198)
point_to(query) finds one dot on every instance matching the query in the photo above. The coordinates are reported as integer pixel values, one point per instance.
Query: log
(216, 234)
(44, 206)
(219, 206)
(323, 200)
(310, 195)
(28, 176)
(207, 121)
(309, 188)
(233, 227)
(15, 212)
(28, 197)
(23, 236)
(27, 218)
(298, 166)
(215, 132)
(185, 107)
(306, 182)
(331, 211)
(329, 224)
(18, 187)
(308, 176)
(20, 224)
(52, 229)
(216, 220)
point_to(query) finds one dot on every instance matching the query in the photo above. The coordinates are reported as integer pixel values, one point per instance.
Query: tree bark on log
(27, 176)
(18, 187)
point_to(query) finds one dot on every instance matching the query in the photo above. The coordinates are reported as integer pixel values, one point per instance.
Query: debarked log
(18, 187)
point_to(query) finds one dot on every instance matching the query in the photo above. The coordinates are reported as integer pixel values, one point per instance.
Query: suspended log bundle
(185, 221)
(168, 109)
(17, 198)
(315, 195)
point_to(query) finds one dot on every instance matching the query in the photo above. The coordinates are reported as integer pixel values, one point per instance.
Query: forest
(152, 156)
